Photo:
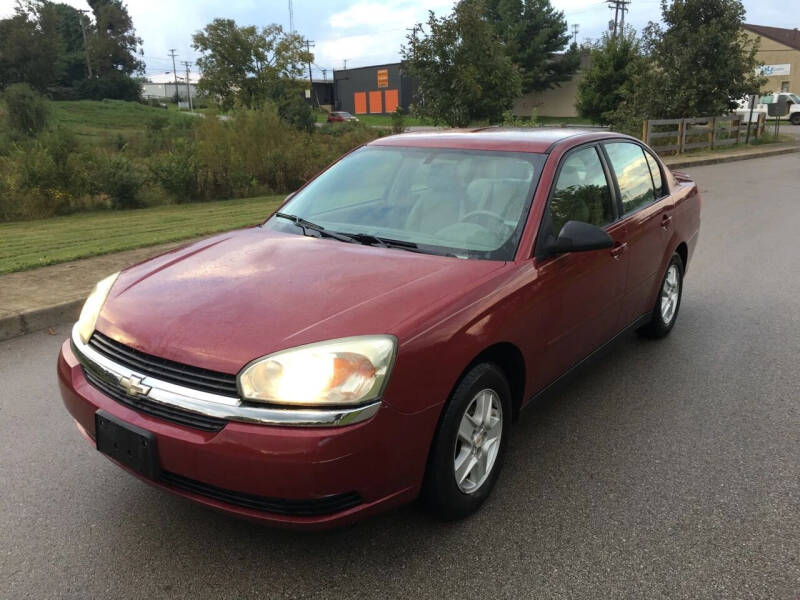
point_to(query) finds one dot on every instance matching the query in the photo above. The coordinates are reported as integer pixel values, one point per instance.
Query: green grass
(31, 244)
(95, 119)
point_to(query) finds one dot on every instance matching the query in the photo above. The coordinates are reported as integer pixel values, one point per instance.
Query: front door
(579, 293)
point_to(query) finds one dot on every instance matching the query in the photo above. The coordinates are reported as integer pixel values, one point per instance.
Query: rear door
(646, 209)
(581, 292)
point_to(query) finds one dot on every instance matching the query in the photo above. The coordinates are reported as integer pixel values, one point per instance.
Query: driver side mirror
(577, 236)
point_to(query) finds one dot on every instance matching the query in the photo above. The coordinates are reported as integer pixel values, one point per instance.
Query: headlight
(345, 371)
(93, 305)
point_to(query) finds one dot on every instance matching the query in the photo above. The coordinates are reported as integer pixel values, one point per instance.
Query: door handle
(618, 250)
(665, 221)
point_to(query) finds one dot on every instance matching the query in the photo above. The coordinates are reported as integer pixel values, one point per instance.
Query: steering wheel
(475, 215)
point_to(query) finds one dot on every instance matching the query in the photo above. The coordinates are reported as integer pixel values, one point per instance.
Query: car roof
(537, 140)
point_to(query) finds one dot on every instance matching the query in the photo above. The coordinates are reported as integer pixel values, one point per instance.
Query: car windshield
(470, 204)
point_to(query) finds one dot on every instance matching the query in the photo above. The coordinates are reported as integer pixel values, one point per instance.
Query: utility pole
(187, 64)
(620, 8)
(291, 17)
(85, 41)
(575, 29)
(174, 71)
(309, 45)
(345, 65)
(325, 74)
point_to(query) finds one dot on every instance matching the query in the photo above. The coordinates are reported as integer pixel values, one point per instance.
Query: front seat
(441, 204)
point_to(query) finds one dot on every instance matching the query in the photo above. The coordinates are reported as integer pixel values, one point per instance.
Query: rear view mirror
(577, 236)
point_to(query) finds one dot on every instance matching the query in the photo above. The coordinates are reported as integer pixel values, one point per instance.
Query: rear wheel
(468, 449)
(665, 312)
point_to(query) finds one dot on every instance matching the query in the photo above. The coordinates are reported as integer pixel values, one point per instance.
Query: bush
(398, 120)
(176, 171)
(122, 180)
(27, 111)
(113, 86)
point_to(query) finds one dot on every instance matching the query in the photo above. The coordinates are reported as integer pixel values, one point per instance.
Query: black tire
(794, 118)
(442, 492)
(659, 326)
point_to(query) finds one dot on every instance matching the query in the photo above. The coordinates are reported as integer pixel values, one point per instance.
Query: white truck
(762, 103)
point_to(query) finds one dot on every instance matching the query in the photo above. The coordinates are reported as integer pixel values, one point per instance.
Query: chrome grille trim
(214, 405)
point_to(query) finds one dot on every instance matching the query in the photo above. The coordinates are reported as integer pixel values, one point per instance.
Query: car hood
(221, 302)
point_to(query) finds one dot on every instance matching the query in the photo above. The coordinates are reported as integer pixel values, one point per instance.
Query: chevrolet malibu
(375, 339)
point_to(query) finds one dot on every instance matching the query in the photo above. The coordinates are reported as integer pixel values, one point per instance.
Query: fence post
(681, 136)
(713, 134)
(738, 122)
(645, 130)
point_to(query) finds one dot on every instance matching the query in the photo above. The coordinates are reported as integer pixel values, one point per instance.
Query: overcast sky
(363, 32)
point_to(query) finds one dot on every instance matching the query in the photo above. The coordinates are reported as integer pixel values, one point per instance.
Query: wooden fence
(680, 135)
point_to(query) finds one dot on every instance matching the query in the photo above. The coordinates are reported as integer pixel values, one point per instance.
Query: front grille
(281, 506)
(188, 376)
(155, 409)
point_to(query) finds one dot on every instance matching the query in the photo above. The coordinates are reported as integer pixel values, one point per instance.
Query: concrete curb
(716, 160)
(39, 319)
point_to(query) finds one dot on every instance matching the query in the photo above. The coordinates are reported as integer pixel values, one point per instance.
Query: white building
(162, 86)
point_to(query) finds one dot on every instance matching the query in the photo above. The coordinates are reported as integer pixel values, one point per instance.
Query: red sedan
(375, 338)
(340, 116)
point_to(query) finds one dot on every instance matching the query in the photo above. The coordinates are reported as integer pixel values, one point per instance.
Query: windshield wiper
(308, 225)
(374, 240)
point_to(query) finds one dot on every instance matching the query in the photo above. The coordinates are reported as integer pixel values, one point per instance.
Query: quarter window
(581, 192)
(633, 175)
(655, 171)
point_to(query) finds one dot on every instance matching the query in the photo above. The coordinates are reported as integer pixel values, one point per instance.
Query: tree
(461, 68)
(613, 62)
(28, 52)
(705, 60)
(113, 44)
(536, 39)
(248, 66)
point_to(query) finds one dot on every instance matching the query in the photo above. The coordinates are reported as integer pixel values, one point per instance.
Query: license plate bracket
(127, 444)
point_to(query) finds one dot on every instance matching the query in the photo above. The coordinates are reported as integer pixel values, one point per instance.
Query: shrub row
(250, 153)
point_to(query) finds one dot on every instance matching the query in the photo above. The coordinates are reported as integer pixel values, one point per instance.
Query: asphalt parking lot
(668, 469)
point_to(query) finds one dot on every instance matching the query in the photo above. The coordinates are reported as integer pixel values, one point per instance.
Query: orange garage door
(391, 101)
(360, 102)
(375, 102)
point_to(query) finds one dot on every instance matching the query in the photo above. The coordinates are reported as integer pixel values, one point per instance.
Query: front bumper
(380, 461)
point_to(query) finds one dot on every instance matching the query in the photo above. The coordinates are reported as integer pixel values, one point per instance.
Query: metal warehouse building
(373, 90)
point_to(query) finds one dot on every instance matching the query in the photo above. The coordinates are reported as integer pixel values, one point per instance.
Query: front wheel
(795, 118)
(468, 449)
(665, 312)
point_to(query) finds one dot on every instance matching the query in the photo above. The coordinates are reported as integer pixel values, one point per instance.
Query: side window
(655, 171)
(581, 192)
(633, 175)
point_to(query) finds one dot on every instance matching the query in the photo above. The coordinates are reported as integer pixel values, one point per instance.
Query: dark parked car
(377, 336)
(340, 117)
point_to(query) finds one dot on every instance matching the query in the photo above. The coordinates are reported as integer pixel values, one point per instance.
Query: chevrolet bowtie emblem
(133, 386)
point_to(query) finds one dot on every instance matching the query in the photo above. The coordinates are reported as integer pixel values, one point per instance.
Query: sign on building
(383, 78)
(770, 70)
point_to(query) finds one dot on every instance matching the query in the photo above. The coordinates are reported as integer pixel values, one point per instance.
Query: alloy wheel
(478, 441)
(670, 292)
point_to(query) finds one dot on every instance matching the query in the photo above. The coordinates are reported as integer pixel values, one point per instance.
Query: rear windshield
(471, 204)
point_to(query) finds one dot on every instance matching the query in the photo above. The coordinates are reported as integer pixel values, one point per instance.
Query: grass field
(96, 119)
(31, 244)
